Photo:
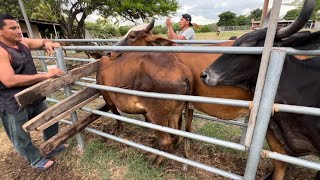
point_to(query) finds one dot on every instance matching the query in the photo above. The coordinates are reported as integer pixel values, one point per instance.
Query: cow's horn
(301, 20)
(150, 26)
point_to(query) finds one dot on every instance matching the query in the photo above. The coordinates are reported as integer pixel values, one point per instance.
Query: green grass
(213, 35)
(223, 35)
(126, 163)
(220, 131)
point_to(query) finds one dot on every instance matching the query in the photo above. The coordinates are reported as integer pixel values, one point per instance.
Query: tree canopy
(227, 18)
(71, 14)
(255, 14)
(292, 14)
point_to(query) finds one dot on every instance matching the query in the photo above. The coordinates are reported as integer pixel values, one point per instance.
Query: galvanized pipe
(169, 130)
(292, 160)
(61, 65)
(265, 110)
(191, 49)
(231, 122)
(297, 109)
(164, 154)
(232, 102)
(23, 11)
(164, 129)
(195, 49)
(116, 40)
(43, 57)
(263, 69)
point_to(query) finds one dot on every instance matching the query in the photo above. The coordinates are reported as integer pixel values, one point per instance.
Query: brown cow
(196, 62)
(151, 72)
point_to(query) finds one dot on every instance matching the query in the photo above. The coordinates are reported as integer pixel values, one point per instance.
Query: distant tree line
(229, 18)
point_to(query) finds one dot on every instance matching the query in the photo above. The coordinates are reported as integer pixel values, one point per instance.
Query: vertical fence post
(61, 65)
(263, 117)
(23, 11)
(263, 69)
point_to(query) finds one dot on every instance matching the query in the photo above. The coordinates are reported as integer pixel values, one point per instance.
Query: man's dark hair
(5, 17)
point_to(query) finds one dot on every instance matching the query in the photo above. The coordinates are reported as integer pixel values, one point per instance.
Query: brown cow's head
(141, 36)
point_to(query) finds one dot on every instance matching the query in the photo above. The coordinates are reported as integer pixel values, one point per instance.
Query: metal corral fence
(263, 116)
(263, 102)
(234, 28)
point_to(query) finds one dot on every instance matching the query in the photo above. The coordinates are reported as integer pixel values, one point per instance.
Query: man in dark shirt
(17, 73)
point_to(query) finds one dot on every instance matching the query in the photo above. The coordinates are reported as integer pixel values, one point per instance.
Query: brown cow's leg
(165, 144)
(119, 123)
(188, 118)
(279, 167)
(175, 122)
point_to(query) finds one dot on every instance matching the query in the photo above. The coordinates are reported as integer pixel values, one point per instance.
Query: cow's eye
(132, 37)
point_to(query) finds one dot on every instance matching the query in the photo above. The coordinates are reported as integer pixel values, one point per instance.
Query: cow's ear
(302, 41)
(159, 41)
(254, 38)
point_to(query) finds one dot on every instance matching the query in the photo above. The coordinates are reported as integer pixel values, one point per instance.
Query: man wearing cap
(186, 33)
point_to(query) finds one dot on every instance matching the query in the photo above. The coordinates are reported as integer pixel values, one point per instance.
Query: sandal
(43, 164)
(56, 151)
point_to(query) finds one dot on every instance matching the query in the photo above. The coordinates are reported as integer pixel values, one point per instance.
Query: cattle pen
(277, 58)
(263, 103)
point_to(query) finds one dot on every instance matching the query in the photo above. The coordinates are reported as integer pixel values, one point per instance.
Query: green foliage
(102, 29)
(292, 14)
(255, 14)
(12, 7)
(123, 30)
(160, 30)
(243, 20)
(176, 27)
(208, 28)
(72, 14)
(227, 19)
(138, 9)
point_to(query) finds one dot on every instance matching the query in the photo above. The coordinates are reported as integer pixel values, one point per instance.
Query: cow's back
(150, 72)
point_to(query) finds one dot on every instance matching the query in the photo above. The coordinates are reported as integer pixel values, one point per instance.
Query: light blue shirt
(188, 33)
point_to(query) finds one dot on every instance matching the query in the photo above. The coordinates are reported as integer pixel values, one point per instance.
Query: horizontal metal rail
(194, 49)
(290, 159)
(240, 103)
(116, 40)
(198, 137)
(231, 122)
(169, 130)
(44, 57)
(66, 58)
(297, 109)
(162, 153)
(200, 99)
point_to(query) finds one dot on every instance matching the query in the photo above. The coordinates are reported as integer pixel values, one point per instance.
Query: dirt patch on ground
(14, 166)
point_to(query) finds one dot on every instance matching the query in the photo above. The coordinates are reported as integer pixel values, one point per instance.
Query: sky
(207, 11)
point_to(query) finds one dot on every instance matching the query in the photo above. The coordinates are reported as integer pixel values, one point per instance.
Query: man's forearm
(172, 34)
(25, 80)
